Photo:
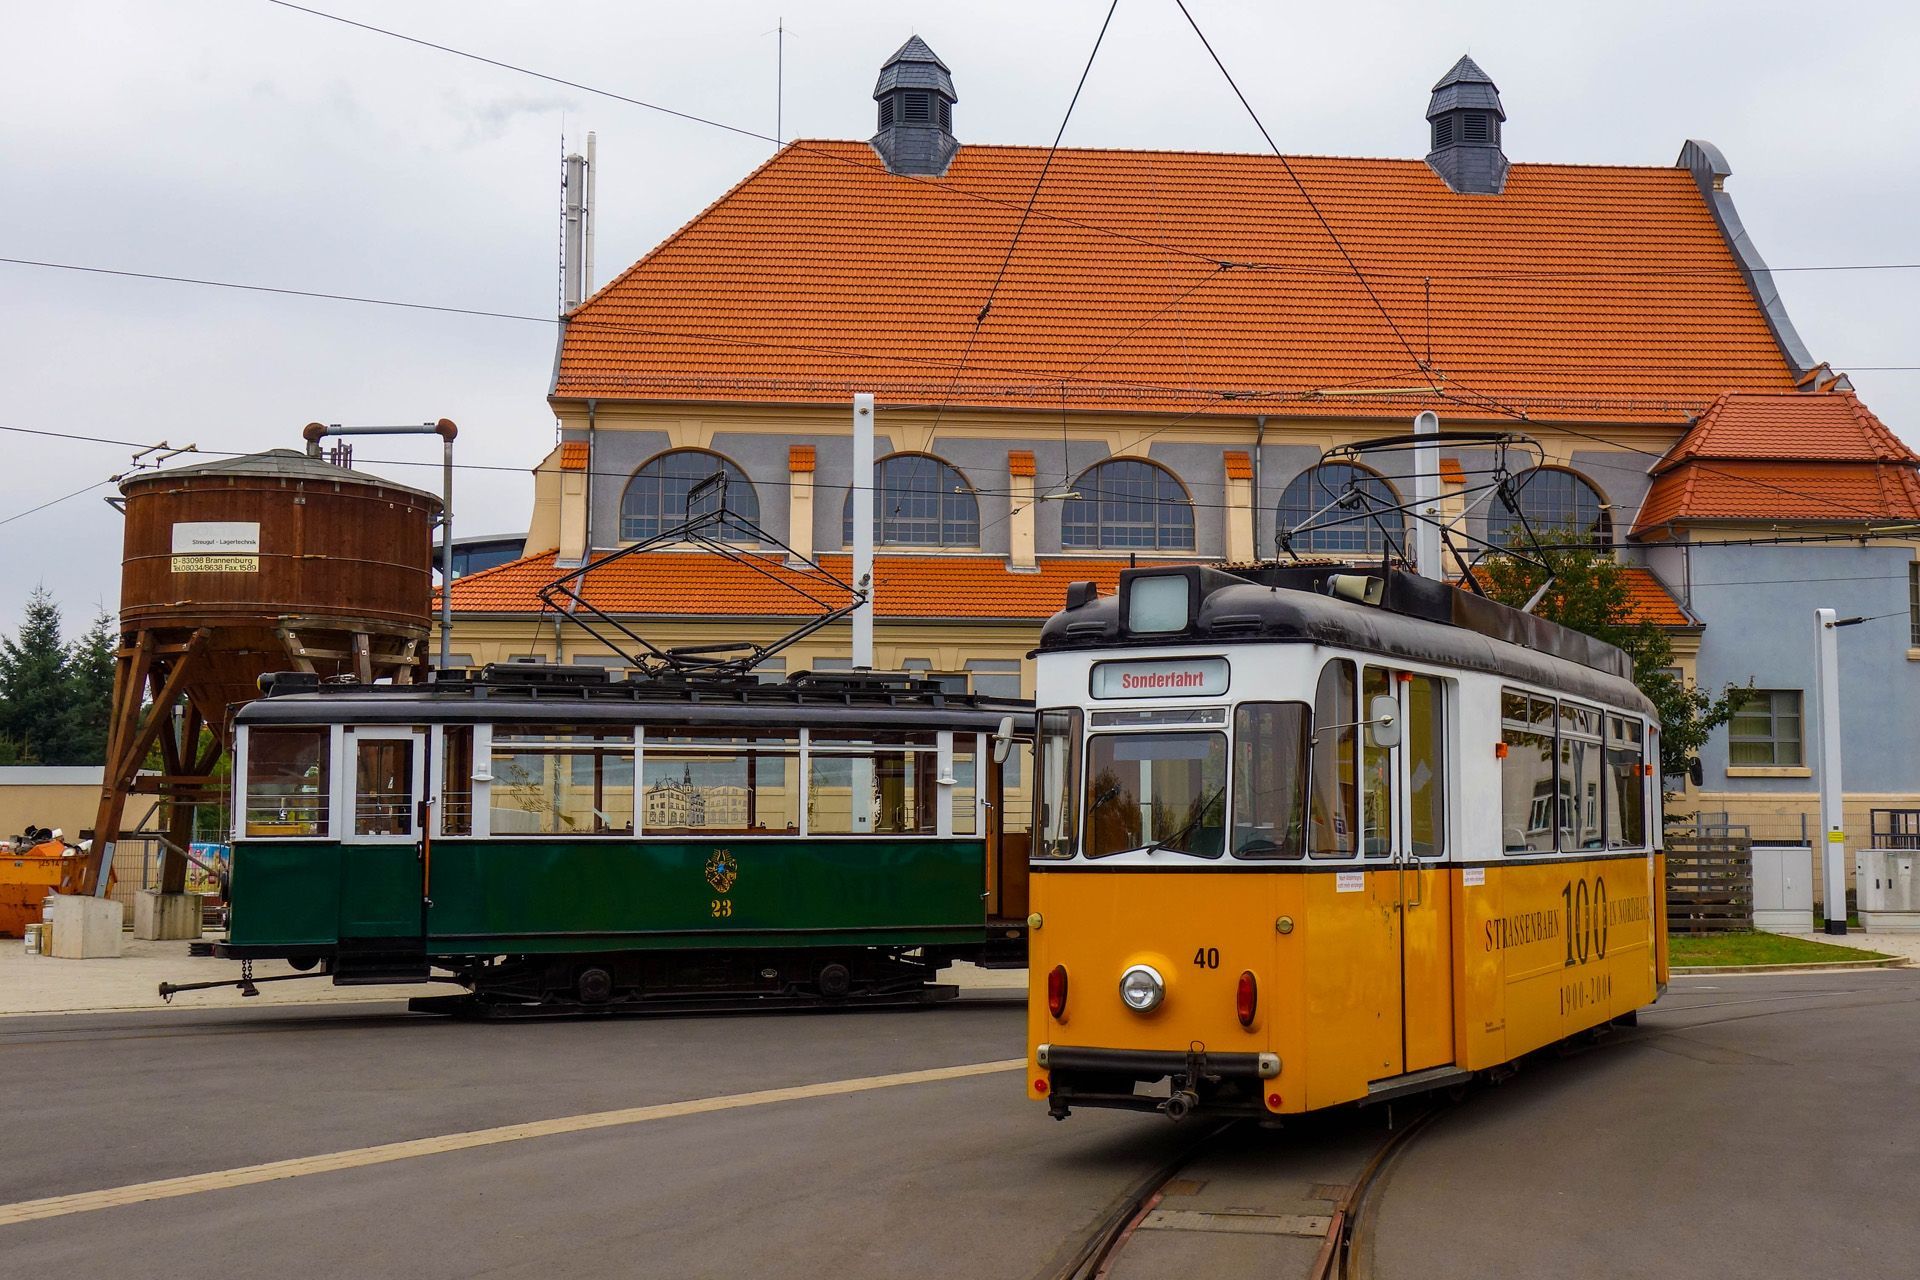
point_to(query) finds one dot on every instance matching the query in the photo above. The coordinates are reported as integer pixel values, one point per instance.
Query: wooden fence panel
(1709, 883)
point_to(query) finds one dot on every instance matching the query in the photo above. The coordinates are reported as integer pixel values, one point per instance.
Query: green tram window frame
(298, 772)
(762, 767)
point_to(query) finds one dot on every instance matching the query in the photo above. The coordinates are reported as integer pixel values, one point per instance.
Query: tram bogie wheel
(835, 981)
(303, 964)
(594, 986)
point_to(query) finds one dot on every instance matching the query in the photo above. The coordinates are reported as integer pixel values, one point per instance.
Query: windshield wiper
(1193, 824)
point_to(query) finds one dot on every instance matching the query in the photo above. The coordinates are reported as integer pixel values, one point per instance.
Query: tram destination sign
(216, 546)
(1161, 678)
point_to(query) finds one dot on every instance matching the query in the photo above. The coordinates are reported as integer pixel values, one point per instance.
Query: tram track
(1345, 1249)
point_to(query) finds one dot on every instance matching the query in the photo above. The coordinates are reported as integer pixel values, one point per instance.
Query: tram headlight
(1142, 988)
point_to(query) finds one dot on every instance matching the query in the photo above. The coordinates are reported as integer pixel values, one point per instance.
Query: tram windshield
(1159, 790)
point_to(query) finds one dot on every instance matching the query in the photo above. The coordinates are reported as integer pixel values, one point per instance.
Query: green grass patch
(1699, 950)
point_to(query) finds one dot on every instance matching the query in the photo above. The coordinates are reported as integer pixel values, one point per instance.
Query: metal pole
(586, 272)
(1833, 879)
(447, 432)
(315, 432)
(863, 529)
(574, 223)
(1426, 500)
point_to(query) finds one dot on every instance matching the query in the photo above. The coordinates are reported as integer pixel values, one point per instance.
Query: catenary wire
(951, 189)
(1006, 259)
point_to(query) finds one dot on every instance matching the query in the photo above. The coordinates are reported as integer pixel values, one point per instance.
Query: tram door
(380, 873)
(1407, 788)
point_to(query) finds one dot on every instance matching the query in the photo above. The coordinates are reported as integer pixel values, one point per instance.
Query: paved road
(1695, 1145)
(953, 1178)
(1751, 1126)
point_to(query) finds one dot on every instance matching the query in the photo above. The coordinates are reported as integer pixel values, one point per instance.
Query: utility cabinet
(1888, 890)
(1783, 888)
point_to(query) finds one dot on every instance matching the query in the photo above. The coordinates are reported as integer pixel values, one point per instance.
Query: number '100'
(1586, 919)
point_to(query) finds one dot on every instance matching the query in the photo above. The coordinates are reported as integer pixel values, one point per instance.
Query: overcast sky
(237, 140)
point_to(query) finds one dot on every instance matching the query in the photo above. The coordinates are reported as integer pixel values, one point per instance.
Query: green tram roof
(1417, 620)
(528, 693)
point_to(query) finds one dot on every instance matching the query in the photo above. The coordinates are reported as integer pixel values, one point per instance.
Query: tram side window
(1527, 801)
(1376, 787)
(1627, 794)
(456, 780)
(872, 784)
(966, 785)
(1057, 750)
(1333, 814)
(552, 780)
(1426, 768)
(720, 783)
(1271, 745)
(1582, 798)
(287, 790)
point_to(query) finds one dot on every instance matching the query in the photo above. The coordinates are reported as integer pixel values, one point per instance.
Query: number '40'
(1207, 957)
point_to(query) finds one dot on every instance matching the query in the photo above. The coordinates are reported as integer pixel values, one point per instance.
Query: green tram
(553, 839)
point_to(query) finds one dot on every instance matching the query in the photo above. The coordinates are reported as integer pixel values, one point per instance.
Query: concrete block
(161, 916)
(85, 928)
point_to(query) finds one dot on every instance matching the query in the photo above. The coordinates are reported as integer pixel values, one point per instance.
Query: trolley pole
(863, 529)
(1826, 665)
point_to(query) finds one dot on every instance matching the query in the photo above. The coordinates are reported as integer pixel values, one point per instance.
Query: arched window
(656, 497)
(1130, 505)
(1360, 529)
(918, 501)
(1551, 498)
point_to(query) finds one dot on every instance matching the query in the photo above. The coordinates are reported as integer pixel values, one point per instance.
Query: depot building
(1172, 349)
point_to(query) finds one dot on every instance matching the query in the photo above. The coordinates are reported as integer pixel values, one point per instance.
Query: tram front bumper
(1093, 1077)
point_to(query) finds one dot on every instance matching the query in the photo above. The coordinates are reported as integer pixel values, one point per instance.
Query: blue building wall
(1758, 603)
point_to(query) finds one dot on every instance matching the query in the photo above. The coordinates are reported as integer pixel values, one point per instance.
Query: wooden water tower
(275, 561)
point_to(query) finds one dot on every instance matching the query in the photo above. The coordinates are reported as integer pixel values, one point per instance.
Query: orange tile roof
(800, 457)
(573, 455)
(1020, 462)
(697, 584)
(1239, 465)
(1648, 597)
(1801, 456)
(1451, 472)
(700, 584)
(1794, 426)
(1580, 292)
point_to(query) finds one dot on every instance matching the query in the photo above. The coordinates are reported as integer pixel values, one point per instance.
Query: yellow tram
(1307, 837)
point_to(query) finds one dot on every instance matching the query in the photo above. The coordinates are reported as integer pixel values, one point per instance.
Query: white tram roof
(1418, 620)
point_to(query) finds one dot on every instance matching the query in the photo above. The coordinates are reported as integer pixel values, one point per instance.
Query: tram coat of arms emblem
(722, 870)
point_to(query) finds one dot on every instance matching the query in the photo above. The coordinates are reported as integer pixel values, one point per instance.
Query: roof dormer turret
(915, 96)
(1465, 115)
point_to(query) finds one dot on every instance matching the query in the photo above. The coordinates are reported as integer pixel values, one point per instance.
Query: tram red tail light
(1246, 998)
(1057, 991)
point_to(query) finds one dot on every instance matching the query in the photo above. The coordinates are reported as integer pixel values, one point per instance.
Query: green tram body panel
(506, 896)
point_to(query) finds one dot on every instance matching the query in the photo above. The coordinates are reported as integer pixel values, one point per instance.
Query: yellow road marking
(386, 1153)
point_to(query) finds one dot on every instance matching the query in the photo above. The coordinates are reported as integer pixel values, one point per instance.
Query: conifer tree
(34, 682)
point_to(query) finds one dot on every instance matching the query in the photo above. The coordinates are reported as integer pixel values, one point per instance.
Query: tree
(54, 700)
(1590, 593)
(34, 681)
(90, 679)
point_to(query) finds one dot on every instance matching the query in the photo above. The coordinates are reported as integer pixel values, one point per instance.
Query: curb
(1832, 966)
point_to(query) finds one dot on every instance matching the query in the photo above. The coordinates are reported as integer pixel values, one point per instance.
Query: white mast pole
(1426, 500)
(863, 529)
(1833, 835)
